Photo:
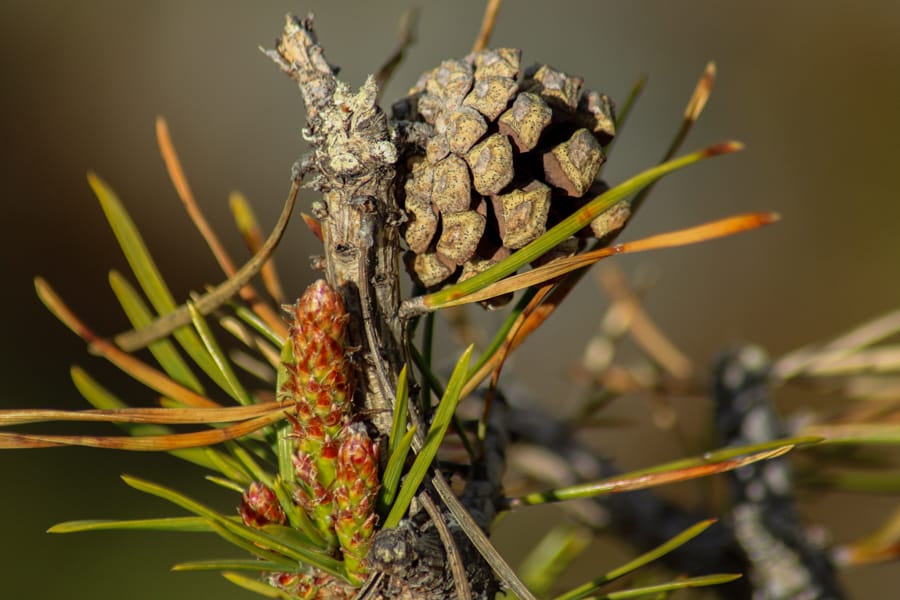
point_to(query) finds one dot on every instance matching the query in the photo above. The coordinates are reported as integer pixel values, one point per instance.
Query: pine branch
(352, 166)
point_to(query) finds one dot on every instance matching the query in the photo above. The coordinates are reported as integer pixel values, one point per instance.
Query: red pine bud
(357, 462)
(260, 506)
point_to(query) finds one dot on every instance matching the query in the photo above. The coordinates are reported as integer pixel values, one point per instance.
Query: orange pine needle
(163, 325)
(176, 174)
(313, 225)
(701, 93)
(179, 180)
(487, 25)
(253, 238)
(645, 480)
(150, 443)
(159, 416)
(642, 328)
(881, 546)
(516, 335)
(532, 316)
(681, 237)
(686, 474)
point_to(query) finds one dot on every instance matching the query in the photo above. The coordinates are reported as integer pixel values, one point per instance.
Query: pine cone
(493, 158)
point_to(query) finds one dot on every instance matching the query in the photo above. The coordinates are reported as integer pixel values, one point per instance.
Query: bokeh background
(813, 90)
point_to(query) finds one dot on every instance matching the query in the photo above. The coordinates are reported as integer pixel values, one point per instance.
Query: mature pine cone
(494, 158)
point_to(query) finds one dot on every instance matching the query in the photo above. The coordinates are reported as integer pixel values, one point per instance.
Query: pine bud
(320, 377)
(354, 498)
(260, 506)
(318, 381)
(314, 494)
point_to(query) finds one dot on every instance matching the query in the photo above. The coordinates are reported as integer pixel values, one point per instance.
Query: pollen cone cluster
(494, 156)
(334, 462)
(318, 383)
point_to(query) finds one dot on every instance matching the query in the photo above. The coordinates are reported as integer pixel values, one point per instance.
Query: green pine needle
(650, 590)
(163, 350)
(252, 319)
(101, 398)
(184, 524)
(229, 564)
(442, 418)
(856, 433)
(225, 483)
(566, 228)
(257, 586)
(240, 534)
(148, 275)
(543, 565)
(645, 477)
(394, 471)
(642, 560)
(255, 549)
(232, 385)
(295, 514)
(401, 404)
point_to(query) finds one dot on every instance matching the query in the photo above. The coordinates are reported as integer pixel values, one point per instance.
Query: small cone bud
(321, 308)
(355, 491)
(314, 496)
(260, 506)
(357, 460)
(312, 586)
(319, 379)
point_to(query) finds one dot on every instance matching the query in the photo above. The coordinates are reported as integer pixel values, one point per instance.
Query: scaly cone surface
(319, 383)
(354, 496)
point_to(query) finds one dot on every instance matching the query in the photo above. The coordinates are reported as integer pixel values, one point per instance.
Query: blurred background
(813, 92)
